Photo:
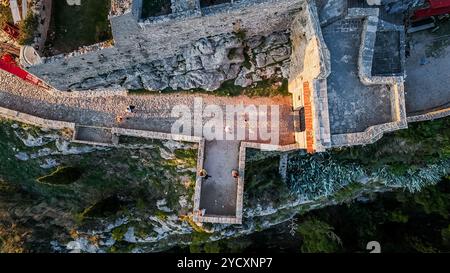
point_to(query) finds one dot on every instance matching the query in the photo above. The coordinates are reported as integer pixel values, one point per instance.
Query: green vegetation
(318, 237)
(400, 221)
(28, 29)
(263, 182)
(189, 156)
(62, 176)
(248, 64)
(75, 26)
(415, 158)
(348, 192)
(119, 232)
(110, 183)
(5, 15)
(153, 8)
(265, 88)
(422, 143)
(161, 215)
(241, 34)
(104, 208)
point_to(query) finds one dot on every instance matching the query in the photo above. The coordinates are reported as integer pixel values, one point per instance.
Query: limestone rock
(154, 82)
(244, 78)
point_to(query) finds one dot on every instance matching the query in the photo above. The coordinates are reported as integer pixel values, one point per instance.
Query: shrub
(28, 29)
(5, 15)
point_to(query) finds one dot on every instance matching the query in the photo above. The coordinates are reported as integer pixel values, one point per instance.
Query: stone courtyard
(345, 69)
(428, 81)
(353, 106)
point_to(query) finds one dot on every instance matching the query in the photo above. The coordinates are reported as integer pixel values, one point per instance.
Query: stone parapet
(138, 50)
(374, 133)
(36, 121)
(429, 115)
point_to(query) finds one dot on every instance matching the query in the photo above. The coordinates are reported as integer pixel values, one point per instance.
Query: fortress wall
(430, 115)
(310, 63)
(374, 133)
(36, 121)
(141, 43)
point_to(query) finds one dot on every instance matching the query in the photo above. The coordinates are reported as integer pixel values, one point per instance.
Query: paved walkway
(153, 112)
(353, 106)
(219, 191)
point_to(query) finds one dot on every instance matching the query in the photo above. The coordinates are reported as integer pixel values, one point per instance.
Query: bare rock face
(268, 57)
(205, 64)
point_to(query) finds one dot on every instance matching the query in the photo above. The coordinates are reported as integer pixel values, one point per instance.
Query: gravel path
(153, 112)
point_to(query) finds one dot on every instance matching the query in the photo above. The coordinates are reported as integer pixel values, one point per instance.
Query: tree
(318, 237)
(445, 233)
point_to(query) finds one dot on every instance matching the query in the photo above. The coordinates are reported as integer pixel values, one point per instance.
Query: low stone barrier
(154, 135)
(430, 115)
(36, 121)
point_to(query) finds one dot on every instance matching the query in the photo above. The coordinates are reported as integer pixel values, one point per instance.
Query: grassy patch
(348, 192)
(119, 233)
(161, 215)
(75, 26)
(132, 174)
(265, 88)
(189, 156)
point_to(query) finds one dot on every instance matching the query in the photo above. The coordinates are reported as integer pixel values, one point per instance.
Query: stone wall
(176, 52)
(310, 65)
(374, 133)
(396, 83)
(36, 121)
(430, 115)
(43, 9)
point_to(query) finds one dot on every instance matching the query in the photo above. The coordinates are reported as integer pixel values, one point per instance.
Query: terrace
(353, 106)
(154, 8)
(75, 26)
(427, 84)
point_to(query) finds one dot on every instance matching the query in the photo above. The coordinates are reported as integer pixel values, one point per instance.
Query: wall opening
(74, 26)
(154, 8)
(208, 3)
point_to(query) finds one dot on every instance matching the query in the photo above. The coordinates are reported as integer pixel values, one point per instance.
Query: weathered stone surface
(244, 78)
(171, 44)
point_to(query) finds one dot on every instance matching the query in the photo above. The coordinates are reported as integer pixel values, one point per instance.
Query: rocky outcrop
(200, 48)
(205, 64)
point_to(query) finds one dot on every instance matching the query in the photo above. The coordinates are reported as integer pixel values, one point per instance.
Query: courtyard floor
(219, 191)
(353, 106)
(427, 68)
(73, 26)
